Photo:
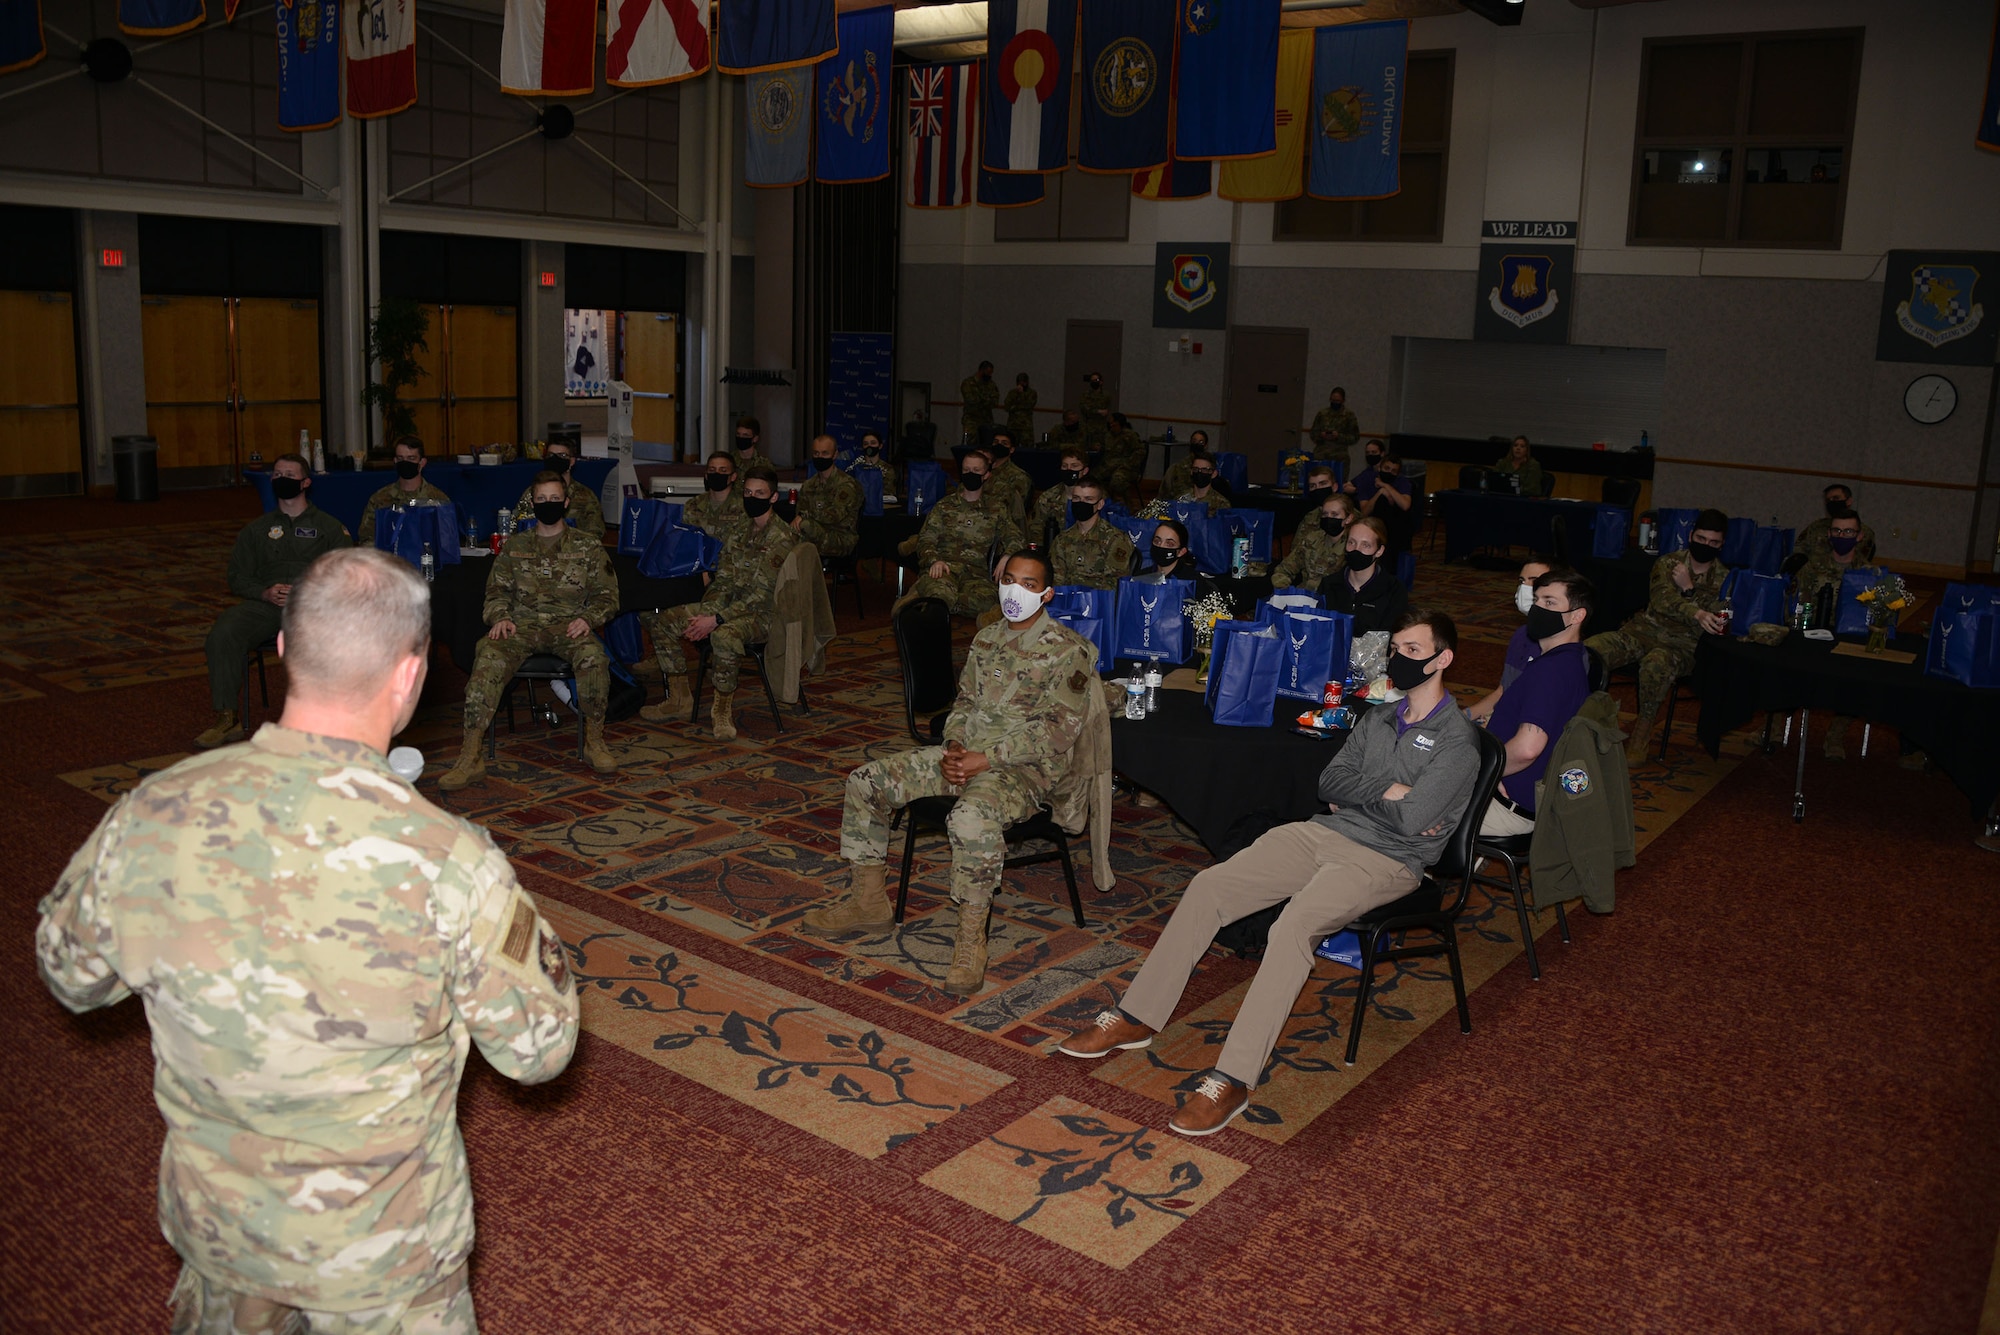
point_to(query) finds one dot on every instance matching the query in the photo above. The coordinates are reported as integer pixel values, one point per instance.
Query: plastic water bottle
(1135, 698)
(1153, 679)
(429, 564)
(1170, 433)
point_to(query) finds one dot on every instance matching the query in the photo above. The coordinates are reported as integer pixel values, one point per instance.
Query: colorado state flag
(1357, 110)
(1228, 71)
(852, 125)
(160, 18)
(308, 64)
(756, 35)
(1029, 47)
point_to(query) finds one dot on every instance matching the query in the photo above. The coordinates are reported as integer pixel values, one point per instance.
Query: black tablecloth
(1555, 458)
(1288, 506)
(458, 598)
(1475, 519)
(1955, 725)
(1623, 587)
(1213, 776)
(479, 491)
(877, 536)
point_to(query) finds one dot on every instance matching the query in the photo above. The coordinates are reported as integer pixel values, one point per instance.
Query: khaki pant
(1330, 881)
(1500, 822)
(203, 1307)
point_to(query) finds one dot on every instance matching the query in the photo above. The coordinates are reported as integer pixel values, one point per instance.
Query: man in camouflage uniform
(581, 506)
(1096, 415)
(1319, 548)
(1091, 552)
(1201, 485)
(750, 443)
(956, 545)
(1826, 563)
(1686, 589)
(733, 614)
(1051, 509)
(1071, 431)
(1020, 708)
(1334, 431)
(317, 947)
(1124, 461)
(829, 514)
(978, 396)
(271, 553)
(1009, 483)
(407, 490)
(1813, 538)
(1176, 481)
(721, 501)
(1020, 407)
(550, 588)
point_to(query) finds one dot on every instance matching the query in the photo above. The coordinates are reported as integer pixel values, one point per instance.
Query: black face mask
(820, 465)
(1406, 673)
(408, 468)
(1359, 560)
(1202, 479)
(716, 481)
(1000, 451)
(972, 481)
(1544, 622)
(1703, 552)
(1318, 488)
(1833, 506)
(1374, 459)
(1165, 556)
(1330, 526)
(286, 488)
(1338, 404)
(550, 512)
(1072, 475)
(556, 463)
(756, 506)
(1082, 510)
(745, 443)
(871, 450)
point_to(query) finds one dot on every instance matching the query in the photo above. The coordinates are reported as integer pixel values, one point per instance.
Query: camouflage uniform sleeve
(929, 536)
(364, 532)
(499, 590)
(75, 946)
(1287, 570)
(1008, 534)
(976, 667)
(510, 981)
(747, 602)
(246, 566)
(1050, 726)
(1864, 551)
(525, 507)
(586, 510)
(1347, 430)
(602, 602)
(1667, 601)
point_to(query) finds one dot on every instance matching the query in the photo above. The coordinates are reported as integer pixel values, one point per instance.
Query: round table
(458, 600)
(1213, 776)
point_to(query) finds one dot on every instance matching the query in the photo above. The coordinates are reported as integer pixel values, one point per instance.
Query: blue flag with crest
(851, 123)
(308, 64)
(757, 35)
(1226, 95)
(1127, 67)
(777, 126)
(1357, 110)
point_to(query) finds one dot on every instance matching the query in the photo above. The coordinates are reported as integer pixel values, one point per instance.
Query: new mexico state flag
(1280, 175)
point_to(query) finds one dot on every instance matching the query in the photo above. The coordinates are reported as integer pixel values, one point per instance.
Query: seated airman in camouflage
(581, 506)
(721, 501)
(1319, 549)
(1202, 487)
(407, 490)
(1071, 431)
(550, 590)
(1020, 708)
(1124, 460)
(1051, 511)
(829, 514)
(733, 614)
(1008, 483)
(955, 549)
(1091, 552)
(317, 948)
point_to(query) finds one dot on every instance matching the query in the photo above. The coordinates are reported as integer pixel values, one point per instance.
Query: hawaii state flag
(1228, 70)
(654, 41)
(21, 40)
(1280, 175)
(1127, 62)
(1357, 110)
(939, 158)
(756, 35)
(851, 131)
(548, 48)
(1030, 45)
(308, 65)
(1177, 179)
(153, 18)
(1010, 190)
(381, 57)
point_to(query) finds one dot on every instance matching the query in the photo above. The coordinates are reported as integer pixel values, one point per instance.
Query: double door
(230, 380)
(41, 445)
(469, 396)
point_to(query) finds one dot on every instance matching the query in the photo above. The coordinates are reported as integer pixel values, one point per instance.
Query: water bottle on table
(1153, 679)
(1135, 698)
(429, 564)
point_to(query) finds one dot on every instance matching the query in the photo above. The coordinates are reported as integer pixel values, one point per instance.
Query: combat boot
(225, 729)
(471, 766)
(675, 707)
(1641, 740)
(595, 751)
(865, 904)
(968, 952)
(718, 716)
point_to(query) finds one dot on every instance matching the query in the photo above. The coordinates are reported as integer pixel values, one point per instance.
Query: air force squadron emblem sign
(1191, 287)
(1940, 308)
(1190, 284)
(1525, 293)
(1933, 308)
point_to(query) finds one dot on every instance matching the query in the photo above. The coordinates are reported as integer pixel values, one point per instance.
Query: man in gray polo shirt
(1394, 794)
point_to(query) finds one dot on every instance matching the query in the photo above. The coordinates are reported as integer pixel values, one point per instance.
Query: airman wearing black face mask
(409, 488)
(583, 508)
(1051, 509)
(1091, 551)
(721, 501)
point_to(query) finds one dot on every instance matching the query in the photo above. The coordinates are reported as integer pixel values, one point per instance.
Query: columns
(114, 363)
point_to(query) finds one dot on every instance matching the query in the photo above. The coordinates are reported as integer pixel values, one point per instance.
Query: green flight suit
(272, 549)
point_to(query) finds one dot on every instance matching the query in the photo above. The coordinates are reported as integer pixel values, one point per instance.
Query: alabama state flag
(654, 41)
(381, 57)
(548, 48)
(939, 157)
(1030, 47)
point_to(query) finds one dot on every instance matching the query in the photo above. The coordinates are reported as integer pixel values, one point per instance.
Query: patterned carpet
(753, 1053)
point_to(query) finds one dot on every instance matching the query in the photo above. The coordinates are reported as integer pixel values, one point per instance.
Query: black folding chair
(922, 628)
(755, 654)
(841, 570)
(1621, 491)
(929, 814)
(256, 656)
(534, 668)
(1426, 909)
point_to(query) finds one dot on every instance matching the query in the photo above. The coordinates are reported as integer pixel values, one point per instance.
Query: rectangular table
(1475, 519)
(480, 491)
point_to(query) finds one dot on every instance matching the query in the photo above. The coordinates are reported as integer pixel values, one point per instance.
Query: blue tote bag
(927, 485)
(870, 482)
(405, 531)
(1737, 542)
(1139, 530)
(1234, 469)
(1965, 636)
(1086, 611)
(643, 517)
(1210, 539)
(1753, 598)
(1150, 623)
(1850, 615)
(1243, 671)
(622, 639)
(1314, 651)
(1260, 526)
(1607, 532)
(678, 551)
(1769, 550)
(1674, 527)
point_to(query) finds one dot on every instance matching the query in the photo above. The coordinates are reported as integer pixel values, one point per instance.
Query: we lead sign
(1491, 230)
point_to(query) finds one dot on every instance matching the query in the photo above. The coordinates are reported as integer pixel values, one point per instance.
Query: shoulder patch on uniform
(1078, 679)
(305, 532)
(1576, 781)
(555, 964)
(520, 931)
(276, 531)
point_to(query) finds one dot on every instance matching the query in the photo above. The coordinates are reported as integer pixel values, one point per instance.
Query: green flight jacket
(276, 548)
(1583, 812)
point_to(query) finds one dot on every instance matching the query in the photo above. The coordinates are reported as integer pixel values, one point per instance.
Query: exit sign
(111, 259)
(548, 278)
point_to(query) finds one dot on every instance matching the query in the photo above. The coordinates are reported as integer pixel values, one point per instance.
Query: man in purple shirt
(1520, 649)
(1535, 708)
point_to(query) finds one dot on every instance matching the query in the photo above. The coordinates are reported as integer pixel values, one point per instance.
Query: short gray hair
(350, 617)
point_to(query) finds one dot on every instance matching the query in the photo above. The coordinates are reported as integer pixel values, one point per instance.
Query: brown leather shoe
(1108, 1033)
(1207, 1110)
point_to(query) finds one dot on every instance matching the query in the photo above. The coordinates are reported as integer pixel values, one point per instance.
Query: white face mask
(1018, 604)
(1524, 598)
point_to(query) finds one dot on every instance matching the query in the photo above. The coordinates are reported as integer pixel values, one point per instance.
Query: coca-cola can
(1332, 696)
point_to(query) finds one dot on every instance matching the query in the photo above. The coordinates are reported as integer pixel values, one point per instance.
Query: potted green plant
(396, 334)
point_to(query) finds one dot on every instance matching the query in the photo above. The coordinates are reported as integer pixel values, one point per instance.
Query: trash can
(135, 467)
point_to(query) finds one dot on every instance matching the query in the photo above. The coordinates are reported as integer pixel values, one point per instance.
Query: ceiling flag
(654, 41)
(941, 152)
(548, 48)
(1228, 68)
(1280, 175)
(1357, 110)
(381, 56)
(308, 65)
(851, 129)
(752, 36)
(1029, 48)
(1127, 65)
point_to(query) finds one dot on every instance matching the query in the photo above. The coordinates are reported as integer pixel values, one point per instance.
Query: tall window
(1744, 139)
(1414, 213)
